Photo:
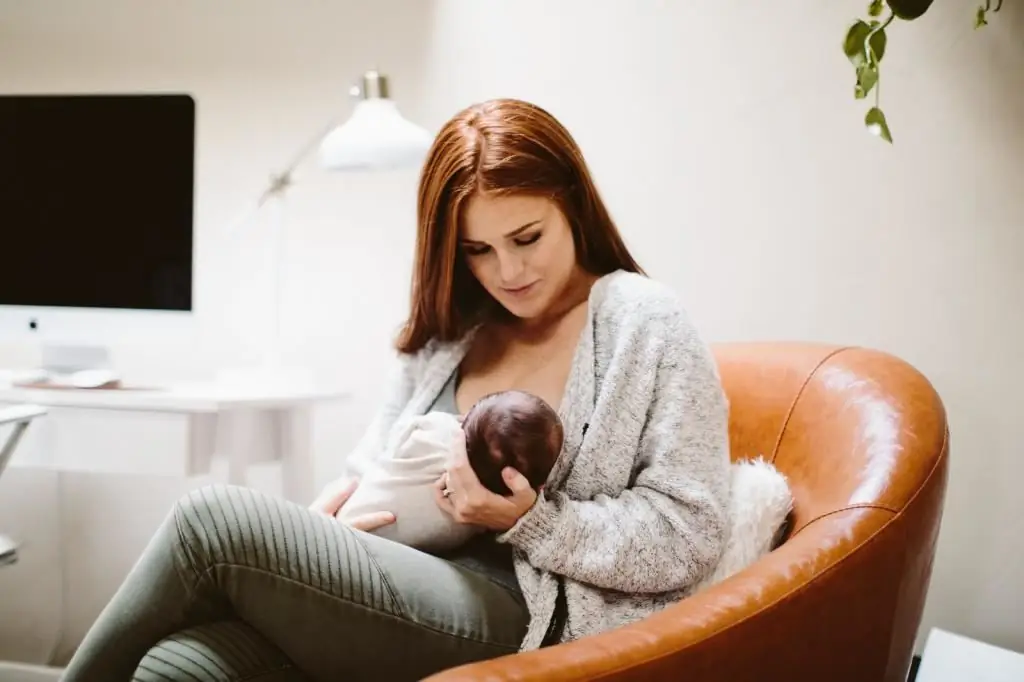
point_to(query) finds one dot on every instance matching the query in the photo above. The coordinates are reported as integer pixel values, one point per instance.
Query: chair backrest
(862, 437)
(849, 427)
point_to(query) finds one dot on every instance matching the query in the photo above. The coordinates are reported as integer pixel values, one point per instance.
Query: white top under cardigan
(634, 512)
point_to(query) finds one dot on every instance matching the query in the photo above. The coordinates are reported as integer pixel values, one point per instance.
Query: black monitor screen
(96, 201)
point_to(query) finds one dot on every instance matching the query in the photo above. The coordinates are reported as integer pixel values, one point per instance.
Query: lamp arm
(282, 180)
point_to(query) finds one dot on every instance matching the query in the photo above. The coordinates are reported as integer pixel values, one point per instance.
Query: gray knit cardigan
(634, 512)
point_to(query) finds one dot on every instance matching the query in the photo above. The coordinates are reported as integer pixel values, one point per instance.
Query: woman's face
(520, 248)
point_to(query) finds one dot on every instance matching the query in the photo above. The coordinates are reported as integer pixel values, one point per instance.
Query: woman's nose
(510, 266)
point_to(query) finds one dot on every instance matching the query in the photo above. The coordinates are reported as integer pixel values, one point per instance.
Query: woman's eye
(476, 250)
(526, 241)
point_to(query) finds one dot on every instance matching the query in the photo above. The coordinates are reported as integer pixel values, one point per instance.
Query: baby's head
(512, 429)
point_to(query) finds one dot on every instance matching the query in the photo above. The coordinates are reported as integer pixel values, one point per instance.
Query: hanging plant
(981, 18)
(865, 44)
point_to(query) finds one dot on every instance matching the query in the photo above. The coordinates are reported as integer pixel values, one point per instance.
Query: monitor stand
(68, 358)
(74, 366)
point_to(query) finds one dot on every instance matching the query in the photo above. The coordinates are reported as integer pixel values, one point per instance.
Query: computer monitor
(96, 208)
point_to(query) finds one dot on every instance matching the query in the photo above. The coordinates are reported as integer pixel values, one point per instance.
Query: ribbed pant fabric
(219, 652)
(237, 585)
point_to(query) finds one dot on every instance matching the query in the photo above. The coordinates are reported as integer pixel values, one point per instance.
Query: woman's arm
(668, 530)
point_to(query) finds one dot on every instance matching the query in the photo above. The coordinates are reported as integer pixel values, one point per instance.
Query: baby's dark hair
(512, 429)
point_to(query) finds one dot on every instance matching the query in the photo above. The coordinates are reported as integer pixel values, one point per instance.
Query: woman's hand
(460, 494)
(336, 494)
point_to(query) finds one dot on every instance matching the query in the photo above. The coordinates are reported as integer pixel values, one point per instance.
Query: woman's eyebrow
(508, 235)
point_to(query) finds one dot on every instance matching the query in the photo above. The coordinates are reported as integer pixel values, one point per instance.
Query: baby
(508, 429)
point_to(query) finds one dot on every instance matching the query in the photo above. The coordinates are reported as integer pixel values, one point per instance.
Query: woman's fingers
(517, 483)
(462, 481)
(468, 501)
(458, 503)
(443, 502)
(334, 494)
(461, 476)
(371, 522)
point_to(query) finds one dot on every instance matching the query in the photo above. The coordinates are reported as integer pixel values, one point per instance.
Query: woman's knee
(219, 523)
(224, 651)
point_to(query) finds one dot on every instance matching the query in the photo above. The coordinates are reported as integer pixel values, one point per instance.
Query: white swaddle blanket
(402, 482)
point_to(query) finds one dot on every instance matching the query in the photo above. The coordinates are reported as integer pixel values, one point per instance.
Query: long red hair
(502, 146)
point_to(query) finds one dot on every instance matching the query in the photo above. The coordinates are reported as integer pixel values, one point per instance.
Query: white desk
(949, 657)
(174, 431)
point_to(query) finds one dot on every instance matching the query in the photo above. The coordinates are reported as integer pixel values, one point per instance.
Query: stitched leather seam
(865, 505)
(799, 394)
(943, 455)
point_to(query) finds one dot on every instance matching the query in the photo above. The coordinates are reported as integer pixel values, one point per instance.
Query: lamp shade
(376, 136)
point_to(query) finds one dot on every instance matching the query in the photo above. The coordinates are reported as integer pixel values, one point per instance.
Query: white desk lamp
(374, 137)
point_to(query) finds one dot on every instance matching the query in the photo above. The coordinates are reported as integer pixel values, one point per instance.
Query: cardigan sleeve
(398, 392)
(667, 530)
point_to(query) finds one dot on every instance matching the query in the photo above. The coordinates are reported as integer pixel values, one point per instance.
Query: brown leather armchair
(863, 438)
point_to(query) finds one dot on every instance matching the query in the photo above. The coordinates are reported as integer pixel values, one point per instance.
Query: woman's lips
(520, 291)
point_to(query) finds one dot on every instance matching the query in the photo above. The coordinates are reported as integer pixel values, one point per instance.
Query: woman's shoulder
(635, 315)
(631, 301)
(434, 353)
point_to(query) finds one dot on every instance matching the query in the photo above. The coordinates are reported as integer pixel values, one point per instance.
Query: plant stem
(868, 52)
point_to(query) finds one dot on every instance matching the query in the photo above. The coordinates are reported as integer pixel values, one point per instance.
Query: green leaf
(875, 8)
(908, 10)
(877, 125)
(853, 44)
(867, 77)
(979, 18)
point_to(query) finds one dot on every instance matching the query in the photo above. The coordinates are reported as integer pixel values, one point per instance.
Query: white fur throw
(759, 503)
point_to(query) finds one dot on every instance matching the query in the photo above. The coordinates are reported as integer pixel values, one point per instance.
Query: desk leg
(244, 438)
(295, 431)
(202, 443)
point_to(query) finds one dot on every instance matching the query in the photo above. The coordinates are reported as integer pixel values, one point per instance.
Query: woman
(521, 281)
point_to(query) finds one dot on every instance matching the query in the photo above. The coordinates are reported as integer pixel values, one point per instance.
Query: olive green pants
(236, 585)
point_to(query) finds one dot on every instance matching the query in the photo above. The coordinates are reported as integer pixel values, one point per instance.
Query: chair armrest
(755, 623)
(8, 551)
(17, 414)
(20, 416)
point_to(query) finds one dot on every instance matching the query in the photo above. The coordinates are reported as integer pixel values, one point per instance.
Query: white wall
(727, 143)
(266, 78)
